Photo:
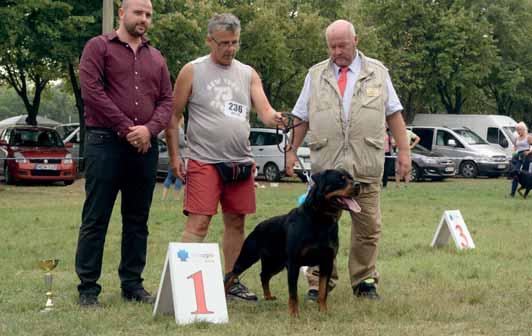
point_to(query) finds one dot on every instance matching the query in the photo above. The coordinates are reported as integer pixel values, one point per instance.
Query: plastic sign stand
(452, 224)
(191, 286)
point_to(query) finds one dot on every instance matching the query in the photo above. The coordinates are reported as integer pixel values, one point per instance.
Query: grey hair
(223, 22)
(349, 26)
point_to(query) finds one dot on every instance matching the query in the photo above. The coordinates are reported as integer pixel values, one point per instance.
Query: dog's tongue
(351, 204)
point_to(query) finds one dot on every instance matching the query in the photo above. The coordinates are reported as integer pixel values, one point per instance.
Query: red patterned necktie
(342, 80)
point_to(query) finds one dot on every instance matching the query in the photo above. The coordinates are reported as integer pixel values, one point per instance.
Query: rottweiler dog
(306, 236)
(525, 181)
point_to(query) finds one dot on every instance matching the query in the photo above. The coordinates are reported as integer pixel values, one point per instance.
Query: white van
(472, 155)
(495, 129)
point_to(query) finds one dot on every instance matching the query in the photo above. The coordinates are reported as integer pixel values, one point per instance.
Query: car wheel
(415, 173)
(271, 172)
(468, 169)
(9, 178)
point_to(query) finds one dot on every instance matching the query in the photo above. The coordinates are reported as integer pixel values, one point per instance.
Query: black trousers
(113, 165)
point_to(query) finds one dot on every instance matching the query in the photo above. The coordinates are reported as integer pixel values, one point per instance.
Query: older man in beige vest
(344, 104)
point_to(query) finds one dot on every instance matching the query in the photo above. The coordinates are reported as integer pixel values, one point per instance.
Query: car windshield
(65, 130)
(510, 132)
(35, 138)
(470, 137)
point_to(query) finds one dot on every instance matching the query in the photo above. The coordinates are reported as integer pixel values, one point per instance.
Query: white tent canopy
(21, 120)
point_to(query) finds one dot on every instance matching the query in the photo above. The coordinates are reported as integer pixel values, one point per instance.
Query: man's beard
(131, 29)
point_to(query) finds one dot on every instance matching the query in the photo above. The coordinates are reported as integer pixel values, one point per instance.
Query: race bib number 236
(235, 110)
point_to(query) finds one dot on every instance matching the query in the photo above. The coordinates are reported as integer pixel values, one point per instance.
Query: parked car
(429, 165)
(162, 164)
(267, 146)
(70, 134)
(472, 155)
(34, 153)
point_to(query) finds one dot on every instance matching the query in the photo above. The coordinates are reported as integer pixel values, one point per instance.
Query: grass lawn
(426, 291)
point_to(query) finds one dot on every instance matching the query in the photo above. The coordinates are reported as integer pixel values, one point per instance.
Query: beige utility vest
(356, 145)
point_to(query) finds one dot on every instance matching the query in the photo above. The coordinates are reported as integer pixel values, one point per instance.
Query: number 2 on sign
(464, 243)
(199, 288)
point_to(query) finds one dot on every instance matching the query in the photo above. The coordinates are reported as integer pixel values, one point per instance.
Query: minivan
(267, 145)
(495, 129)
(472, 155)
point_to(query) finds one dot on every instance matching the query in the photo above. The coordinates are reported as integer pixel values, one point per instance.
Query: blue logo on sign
(182, 255)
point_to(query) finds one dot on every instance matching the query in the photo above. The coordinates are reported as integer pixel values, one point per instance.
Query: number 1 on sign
(199, 288)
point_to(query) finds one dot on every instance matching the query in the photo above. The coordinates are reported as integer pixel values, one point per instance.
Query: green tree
(461, 53)
(179, 30)
(508, 84)
(31, 47)
(400, 40)
(281, 45)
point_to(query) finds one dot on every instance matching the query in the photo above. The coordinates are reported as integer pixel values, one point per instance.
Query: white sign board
(452, 224)
(191, 284)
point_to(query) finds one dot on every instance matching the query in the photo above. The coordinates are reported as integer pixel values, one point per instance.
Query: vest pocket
(369, 159)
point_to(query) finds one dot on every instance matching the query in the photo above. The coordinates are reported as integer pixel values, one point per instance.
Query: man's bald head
(126, 3)
(340, 27)
(341, 42)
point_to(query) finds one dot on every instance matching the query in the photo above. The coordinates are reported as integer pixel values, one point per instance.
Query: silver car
(267, 146)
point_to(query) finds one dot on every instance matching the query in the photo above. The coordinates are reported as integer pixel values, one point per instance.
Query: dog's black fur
(306, 236)
(525, 181)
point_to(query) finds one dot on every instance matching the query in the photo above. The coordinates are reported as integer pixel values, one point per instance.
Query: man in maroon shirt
(127, 96)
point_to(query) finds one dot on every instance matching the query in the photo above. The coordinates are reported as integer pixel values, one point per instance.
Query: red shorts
(204, 189)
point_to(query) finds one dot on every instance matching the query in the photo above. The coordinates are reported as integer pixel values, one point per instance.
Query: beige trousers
(365, 235)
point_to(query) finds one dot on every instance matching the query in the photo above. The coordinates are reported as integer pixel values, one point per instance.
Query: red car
(34, 153)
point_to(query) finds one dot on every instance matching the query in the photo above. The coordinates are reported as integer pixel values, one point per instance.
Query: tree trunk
(79, 105)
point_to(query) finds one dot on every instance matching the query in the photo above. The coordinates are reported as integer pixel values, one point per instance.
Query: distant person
(413, 140)
(127, 95)
(219, 93)
(521, 156)
(388, 159)
(171, 179)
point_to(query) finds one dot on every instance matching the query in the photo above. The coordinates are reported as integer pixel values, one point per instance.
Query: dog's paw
(270, 298)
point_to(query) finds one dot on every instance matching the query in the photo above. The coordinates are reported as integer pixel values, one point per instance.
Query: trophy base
(49, 307)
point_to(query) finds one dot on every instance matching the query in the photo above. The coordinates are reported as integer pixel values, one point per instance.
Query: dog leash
(286, 129)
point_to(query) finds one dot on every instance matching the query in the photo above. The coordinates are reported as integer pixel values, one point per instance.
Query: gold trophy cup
(48, 265)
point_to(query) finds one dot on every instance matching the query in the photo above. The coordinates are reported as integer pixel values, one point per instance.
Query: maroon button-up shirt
(122, 89)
